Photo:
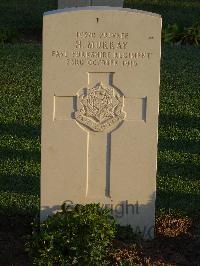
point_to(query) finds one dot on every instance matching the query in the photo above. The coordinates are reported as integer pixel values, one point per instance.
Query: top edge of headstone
(101, 8)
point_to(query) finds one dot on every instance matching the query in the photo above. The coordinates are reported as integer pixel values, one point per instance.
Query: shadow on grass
(19, 203)
(20, 130)
(24, 181)
(181, 121)
(188, 166)
(176, 12)
(22, 155)
(188, 169)
(180, 145)
(28, 185)
(176, 202)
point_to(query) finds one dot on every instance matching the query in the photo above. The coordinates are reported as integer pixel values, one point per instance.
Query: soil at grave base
(12, 251)
(176, 243)
(13, 230)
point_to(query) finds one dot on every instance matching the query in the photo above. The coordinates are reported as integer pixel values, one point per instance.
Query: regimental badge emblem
(100, 108)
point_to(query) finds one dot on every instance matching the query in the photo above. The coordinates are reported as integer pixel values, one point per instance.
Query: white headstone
(101, 75)
(80, 3)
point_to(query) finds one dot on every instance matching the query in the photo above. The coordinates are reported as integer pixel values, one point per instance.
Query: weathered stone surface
(100, 111)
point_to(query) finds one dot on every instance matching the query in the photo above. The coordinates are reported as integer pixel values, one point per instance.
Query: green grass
(179, 132)
(20, 83)
(183, 12)
(23, 18)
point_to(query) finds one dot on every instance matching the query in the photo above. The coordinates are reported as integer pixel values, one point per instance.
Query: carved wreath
(100, 108)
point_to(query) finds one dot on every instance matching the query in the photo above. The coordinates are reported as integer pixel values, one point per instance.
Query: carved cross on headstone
(99, 110)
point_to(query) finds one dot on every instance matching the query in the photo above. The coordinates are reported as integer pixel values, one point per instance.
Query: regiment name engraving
(101, 49)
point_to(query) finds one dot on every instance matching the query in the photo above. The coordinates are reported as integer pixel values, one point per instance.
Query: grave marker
(100, 111)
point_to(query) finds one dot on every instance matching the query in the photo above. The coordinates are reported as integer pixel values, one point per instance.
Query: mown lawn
(183, 12)
(179, 132)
